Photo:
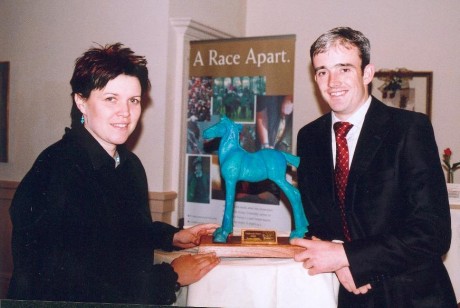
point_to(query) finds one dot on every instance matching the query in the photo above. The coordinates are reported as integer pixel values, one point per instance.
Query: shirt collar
(357, 118)
(98, 156)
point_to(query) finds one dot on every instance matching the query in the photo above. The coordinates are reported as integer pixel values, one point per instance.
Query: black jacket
(82, 229)
(397, 207)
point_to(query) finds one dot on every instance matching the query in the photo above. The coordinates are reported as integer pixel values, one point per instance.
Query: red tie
(341, 169)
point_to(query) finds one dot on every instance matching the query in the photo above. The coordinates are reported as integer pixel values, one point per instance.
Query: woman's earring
(82, 120)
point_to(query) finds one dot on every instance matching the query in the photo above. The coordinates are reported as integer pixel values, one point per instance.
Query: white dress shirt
(357, 120)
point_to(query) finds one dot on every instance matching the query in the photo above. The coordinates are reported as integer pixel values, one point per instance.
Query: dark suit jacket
(396, 206)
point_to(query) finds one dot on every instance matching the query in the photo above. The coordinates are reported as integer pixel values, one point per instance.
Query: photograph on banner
(199, 104)
(250, 95)
(198, 181)
(235, 97)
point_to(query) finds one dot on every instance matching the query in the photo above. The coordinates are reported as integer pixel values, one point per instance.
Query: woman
(82, 229)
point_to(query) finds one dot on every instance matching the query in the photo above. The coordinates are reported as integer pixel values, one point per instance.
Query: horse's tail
(291, 159)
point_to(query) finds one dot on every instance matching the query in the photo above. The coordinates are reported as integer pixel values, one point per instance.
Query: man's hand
(190, 237)
(191, 268)
(346, 279)
(327, 257)
(320, 256)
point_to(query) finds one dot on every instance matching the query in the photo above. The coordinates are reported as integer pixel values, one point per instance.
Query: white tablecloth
(258, 282)
(263, 283)
(452, 259)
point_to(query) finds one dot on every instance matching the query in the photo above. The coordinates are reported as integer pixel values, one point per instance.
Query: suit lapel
(375, 128)
(324, 155)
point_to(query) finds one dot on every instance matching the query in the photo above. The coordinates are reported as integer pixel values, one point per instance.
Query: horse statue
(236, 164)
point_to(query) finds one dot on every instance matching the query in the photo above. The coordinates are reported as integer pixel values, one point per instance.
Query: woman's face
(111, 114)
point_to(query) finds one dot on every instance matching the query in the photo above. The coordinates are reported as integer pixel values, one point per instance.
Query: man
(385, 234)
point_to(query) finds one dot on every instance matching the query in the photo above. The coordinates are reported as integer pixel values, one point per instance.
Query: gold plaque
(258, 237)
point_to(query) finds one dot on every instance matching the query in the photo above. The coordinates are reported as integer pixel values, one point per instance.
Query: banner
(250, 81)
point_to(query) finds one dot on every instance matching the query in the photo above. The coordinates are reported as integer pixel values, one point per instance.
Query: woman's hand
(190, 237)
(191, 268)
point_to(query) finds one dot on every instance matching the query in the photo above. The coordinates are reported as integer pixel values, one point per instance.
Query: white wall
(227, 16)
(42, 38)
(420, 35)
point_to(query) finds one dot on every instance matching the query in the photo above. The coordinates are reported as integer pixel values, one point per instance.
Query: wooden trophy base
(234, 248)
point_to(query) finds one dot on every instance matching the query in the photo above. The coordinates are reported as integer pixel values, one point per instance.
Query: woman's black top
(82, 229)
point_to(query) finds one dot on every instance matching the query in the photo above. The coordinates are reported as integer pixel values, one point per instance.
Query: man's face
(340, 79)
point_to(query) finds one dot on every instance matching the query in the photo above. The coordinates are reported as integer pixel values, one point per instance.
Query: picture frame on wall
(4, 79)
(405, 89)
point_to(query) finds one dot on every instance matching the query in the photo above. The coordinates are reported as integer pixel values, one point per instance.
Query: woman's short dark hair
(98, 65)
(346, 37)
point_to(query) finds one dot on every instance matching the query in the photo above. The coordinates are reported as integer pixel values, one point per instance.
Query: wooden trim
(7, 190)
(8, 184)
(162, 205)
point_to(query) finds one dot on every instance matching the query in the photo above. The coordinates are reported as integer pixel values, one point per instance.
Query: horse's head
(220, 129)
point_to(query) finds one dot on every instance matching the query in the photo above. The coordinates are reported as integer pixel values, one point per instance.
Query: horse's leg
(221, 233)
(293, 195)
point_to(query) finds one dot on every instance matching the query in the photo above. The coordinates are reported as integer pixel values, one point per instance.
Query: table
(452, 258)
(257, 282)
(263, 282)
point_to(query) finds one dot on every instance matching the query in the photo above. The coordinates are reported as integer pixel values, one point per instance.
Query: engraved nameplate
(258, 237)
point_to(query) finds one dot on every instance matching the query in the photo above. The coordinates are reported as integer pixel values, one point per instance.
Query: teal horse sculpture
(236, 164)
